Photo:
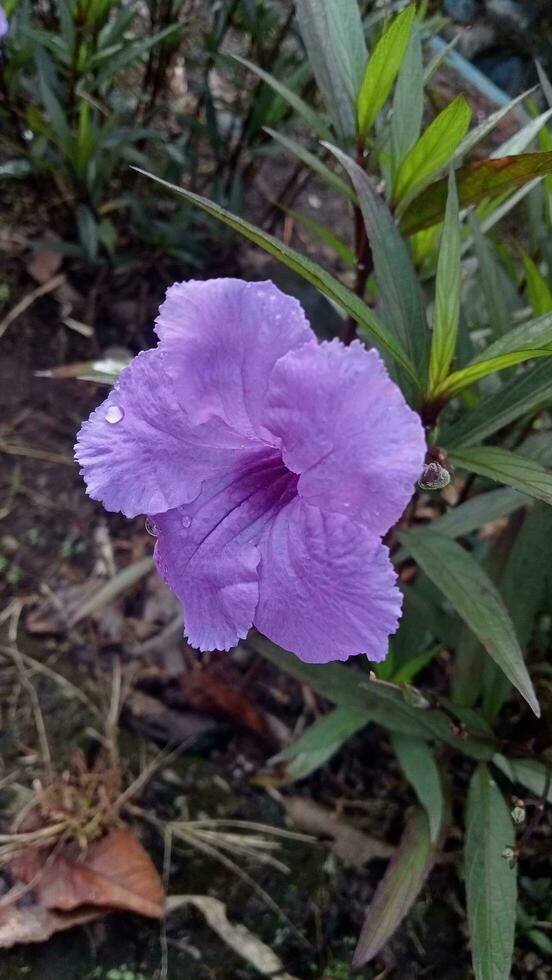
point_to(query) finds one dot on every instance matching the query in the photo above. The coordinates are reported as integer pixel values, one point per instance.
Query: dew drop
(114, 414)
(186, 521)
(151, 528)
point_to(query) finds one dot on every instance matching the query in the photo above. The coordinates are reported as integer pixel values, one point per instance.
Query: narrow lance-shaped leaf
(318, 744)
(498, 313)
(399, 287)
(447, 293)
(491, 882)
(466, 586)
(417, 761)
(314, 120)
(398, 889)
(433, 149)
(533, 334)
(312, 161)
(382, 68)
(467, 376)
(520, 395)
(475, 182)
(408, 101)
(504, 466)
(308, 269)
(326, 26)
(538, 290)
(332, 241)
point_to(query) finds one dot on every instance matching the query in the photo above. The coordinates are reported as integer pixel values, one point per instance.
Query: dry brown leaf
(352, 846)
(237, 937)
(206, 691)
(35, 924)
(114, 872)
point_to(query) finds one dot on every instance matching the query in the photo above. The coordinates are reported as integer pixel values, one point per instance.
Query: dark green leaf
(312, 161)
(398, 889)
(382, 68)
(530, 773)
(308, 269)
(319, 743)
(384, 704)
(417, 761)
(491, 883)
(533, 334)
(313, 119)
(408, 102)
(398, 284)
(475, 182)
(498, 314)
(466, 586)
(334, 39)
(523, 394)
(504, 466)
(447, 294)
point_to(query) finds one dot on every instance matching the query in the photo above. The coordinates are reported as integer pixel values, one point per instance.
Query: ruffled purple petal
(138, 452)
(206, 551)
(346, 428)
(326, 586)
(225, 336)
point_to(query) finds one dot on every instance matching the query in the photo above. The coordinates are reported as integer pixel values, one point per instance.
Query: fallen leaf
(150, 717)
(352, 846)
(237, 937)
(206, 691)
(35, 924)
(114, 872)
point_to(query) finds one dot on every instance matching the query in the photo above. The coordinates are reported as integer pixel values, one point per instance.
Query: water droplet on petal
(151, 528)
(114, 414)
(186, 521)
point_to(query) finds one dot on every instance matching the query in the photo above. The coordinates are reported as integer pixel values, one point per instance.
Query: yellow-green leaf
(382, 68)
(433, 149)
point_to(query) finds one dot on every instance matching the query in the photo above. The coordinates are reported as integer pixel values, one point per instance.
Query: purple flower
(270, 465)
(3, 23)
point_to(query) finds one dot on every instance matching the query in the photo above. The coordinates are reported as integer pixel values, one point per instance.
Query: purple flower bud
(3, 23)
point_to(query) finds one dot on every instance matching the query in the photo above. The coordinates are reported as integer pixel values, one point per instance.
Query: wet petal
(225, 335)
(346, 428)
(206, 551)
(139, 452)
(326, 586)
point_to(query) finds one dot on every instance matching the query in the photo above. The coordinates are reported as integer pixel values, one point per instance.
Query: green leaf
(399, 287)
(498, 313)
(385, 704)
(491, 883)
(527, 772)
(470, 515)
(533, 334)
(475, 182)
(305, 267)
(467, 376)
(433, 149)
(319, 743)
(314, 120)
(504, 466)
(382, 68)
(408, 101)
(466, 586)
(538, 290)
(332, 241)
(447, 294)
(479, 132)
(398, 889)
(334, 38)
(417, 761)
(520, 395)
(312, 161)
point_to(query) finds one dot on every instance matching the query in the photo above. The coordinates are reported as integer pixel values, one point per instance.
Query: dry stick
(29, 299)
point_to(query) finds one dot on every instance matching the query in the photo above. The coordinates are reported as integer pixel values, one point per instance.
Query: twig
(29, 299)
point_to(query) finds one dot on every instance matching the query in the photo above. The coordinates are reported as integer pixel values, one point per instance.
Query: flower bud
(434, 477)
